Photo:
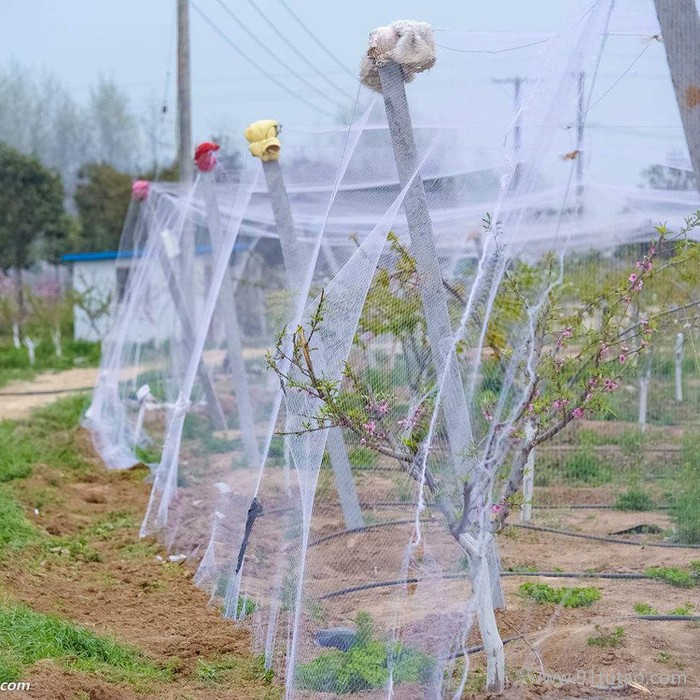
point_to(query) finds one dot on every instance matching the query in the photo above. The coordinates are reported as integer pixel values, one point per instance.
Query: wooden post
(680, 28)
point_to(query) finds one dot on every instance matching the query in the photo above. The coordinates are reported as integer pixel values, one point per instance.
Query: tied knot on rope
(408, 43)
(204, 156)
(262, 137)
(182, 405)
(140, 190)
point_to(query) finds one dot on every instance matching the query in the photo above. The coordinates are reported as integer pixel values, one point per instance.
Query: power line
(273, 55)
(314, 38)
(494, 51)
(299, 53)
(256, 65)
(626, 71)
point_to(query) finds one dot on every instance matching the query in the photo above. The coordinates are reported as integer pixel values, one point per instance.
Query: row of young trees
(40, 116)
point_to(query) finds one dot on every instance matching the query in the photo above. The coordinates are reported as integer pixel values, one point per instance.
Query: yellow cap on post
(262, 136)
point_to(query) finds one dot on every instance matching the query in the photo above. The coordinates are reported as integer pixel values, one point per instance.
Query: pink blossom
(363, 441)
(370, 426)
(603, 350)
(487, 414)
(559, 404)
(632, 278)
(588, 396)
(140, 190)
(497, 508)
(622, 358)
(577, 412)
(610, 384)
(652, 249)
(383, 408)
(567, 332)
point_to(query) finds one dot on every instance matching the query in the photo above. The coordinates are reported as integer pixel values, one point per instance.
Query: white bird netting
(330, 434)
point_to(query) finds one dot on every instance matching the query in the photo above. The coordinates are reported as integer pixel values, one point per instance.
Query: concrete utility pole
(680, 28)
(185, 154)
(517, 83)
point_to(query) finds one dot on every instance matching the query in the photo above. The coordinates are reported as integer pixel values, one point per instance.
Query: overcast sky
(133, 42)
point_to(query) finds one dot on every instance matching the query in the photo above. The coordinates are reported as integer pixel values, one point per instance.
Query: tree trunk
(482, 586)
(19, 288)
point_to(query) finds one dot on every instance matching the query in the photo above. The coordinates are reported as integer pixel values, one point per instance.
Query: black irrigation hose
(453, 577)
(601, 538)
(480, 647)
(579, 574)
(667, 618)
(46, 393)
(366, 528)
(537, 528)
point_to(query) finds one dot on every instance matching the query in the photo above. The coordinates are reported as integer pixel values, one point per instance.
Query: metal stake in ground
(263, 137)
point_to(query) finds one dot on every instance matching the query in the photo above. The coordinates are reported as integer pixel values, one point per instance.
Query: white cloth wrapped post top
(409, 43)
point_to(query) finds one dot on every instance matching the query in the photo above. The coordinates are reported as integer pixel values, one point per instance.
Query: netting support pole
(231, 327)
(188, 338)
(185, 156)
(420, 228)
(528, 477)
(337, 450)
(680, 28)
(485, 579)
(680, 347)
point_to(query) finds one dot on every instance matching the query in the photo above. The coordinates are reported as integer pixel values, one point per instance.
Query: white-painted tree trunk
(16, 341)
(31, 349)
(56, 339)
(680, 347)
(644, 396)
(528, 477)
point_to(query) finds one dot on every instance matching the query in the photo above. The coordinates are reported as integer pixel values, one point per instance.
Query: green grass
(645, 609)
(674, 576)
(15, 530)
(634, 499)
(47, 438)
(605, 639)
(27, 636)
(14, 363)
(568, 597)
(585, 468)
(226, 670)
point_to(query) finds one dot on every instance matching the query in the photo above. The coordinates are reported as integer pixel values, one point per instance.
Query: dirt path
(19, 399)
